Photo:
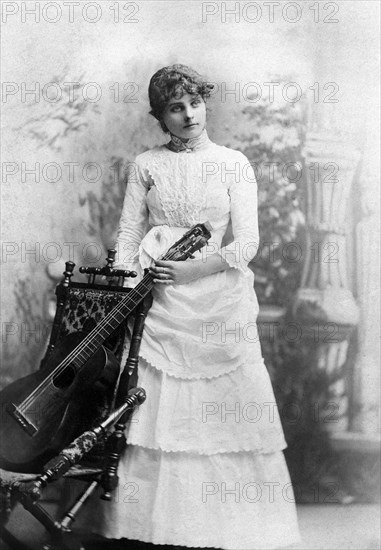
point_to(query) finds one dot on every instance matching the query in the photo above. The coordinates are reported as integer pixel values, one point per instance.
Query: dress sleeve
(133, 223)
(244, 217)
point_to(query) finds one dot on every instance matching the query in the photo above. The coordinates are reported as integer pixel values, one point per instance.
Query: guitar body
(36, 424)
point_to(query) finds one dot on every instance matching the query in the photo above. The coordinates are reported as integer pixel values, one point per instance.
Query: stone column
(324, 304)
(367, 367)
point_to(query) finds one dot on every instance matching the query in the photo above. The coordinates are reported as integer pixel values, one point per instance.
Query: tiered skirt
(193, 484)
(204, 465)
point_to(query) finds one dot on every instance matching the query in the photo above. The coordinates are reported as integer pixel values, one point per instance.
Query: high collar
(192, 144)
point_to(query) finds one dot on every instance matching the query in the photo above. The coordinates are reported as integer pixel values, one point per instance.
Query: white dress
(204, 466)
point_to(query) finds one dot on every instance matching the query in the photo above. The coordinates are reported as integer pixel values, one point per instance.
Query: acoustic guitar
(39, 410)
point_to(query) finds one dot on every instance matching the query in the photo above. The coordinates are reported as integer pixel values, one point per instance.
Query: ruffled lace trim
(224, 253)
(192, 144)
(222, 450)
(170, 371)
(236, 414)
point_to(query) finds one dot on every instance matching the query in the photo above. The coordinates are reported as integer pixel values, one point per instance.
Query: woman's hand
(178, 273)
(182, 272)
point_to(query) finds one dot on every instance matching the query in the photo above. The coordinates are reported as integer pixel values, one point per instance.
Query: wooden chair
(98, 437)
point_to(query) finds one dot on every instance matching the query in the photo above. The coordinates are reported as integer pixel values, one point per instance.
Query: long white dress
(204, 465)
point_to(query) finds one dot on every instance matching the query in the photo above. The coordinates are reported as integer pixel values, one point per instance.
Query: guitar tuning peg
(111, 252)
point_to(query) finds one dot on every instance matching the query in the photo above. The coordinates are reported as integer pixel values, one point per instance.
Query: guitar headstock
(193, 240)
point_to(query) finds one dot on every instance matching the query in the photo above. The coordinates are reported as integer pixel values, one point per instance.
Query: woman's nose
(189, 114)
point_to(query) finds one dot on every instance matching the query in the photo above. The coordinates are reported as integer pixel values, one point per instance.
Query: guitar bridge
(26, 425)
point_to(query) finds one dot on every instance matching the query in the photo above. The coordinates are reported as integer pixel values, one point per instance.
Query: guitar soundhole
(65, 378)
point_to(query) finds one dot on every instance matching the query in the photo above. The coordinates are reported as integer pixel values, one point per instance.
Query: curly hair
(174, 81)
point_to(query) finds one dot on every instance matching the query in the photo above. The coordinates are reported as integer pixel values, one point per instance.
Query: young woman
(204, 466)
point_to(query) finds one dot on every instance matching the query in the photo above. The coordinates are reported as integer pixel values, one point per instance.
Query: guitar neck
(192, 240)
(111, 322)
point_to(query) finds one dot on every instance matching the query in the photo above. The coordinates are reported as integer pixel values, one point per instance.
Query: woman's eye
(196, 102)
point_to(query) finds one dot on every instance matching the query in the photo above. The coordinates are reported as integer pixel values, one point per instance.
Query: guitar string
(77, 353)
(43, 386)
(39, 390)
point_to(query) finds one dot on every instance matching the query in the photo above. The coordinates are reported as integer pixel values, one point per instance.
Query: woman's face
(185, 117)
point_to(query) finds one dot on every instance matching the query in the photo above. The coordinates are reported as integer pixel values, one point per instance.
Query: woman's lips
(191, 125)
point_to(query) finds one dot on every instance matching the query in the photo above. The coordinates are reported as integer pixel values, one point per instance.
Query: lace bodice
(175, 190)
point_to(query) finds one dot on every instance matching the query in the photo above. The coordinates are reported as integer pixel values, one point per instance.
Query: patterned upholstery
(84, 307)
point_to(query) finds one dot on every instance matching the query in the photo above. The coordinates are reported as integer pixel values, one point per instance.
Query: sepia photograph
(190, 275)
